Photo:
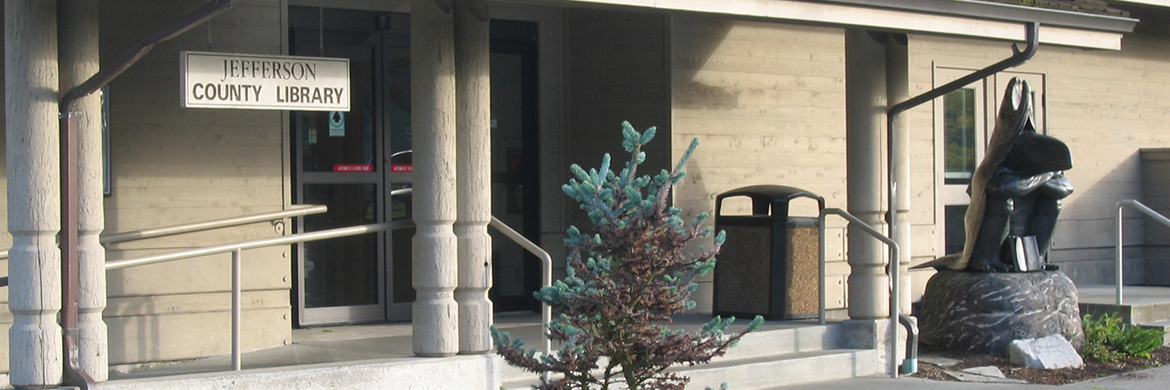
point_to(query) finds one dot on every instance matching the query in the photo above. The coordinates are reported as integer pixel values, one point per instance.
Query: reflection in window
(955, 233)
(959, 136)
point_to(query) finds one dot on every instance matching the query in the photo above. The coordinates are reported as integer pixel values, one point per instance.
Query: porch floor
(348, 343)
(1132, 295)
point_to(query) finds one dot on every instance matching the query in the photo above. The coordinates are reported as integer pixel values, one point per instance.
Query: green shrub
(626, 277)
(1107, 340)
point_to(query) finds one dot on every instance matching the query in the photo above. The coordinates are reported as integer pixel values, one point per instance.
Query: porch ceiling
(950, 17)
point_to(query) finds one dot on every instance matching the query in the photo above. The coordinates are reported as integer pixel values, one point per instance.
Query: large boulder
(983, 312)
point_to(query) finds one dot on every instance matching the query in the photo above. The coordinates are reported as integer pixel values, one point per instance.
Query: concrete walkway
(1151, 379)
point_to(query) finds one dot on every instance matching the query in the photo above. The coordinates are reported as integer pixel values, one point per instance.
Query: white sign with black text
(264, 82)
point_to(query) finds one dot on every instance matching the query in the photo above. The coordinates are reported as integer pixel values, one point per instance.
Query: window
(964, 120)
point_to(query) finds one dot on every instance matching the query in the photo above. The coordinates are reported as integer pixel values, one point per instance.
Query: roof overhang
(950, 17)
(1155, 3)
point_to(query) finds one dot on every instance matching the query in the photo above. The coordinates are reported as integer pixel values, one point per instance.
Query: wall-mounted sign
(353, 168)
(263, 82)
(336, 124)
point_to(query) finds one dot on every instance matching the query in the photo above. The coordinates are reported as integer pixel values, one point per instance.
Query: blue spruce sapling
(624, 280)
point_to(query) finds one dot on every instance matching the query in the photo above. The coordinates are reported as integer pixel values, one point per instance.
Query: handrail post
(545, 278)
(821, 267)
(892, 270)
(1120, 244)
(236, 254)
(1157, 217)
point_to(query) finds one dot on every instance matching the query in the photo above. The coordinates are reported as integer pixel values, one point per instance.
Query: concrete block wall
(767, 102)
(1106, 105)
(173, 166)
(615, 70)
(1156, 195)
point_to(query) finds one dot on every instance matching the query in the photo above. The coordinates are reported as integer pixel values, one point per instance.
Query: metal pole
(892, 271)
(821, 267)
(1032, 35)
(545, 276)
(895, 289)
(1120, 245)
(236, 309)
(69, 195)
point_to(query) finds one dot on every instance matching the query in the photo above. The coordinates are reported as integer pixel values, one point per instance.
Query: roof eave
(1005, 12)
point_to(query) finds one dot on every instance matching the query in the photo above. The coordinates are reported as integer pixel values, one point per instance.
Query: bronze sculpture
(1015, 194)
(983, 298)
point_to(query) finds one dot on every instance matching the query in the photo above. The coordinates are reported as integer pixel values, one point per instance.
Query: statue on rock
(1015, 194)
(986, 296)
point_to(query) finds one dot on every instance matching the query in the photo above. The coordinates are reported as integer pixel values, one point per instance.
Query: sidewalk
(1150, 379)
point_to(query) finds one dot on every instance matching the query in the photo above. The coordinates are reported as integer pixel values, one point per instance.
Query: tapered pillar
(34, 263)
(432, 57)
(865, 115)
(473, 85)
(78, 48)
(897, 91)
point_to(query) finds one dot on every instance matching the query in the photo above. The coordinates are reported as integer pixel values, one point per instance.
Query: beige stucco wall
(767, 102)
(615, 70)
(172, 166)
(1106, 105)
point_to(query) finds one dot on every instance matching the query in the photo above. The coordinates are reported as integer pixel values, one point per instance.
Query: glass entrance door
(350, 161)
(357, 162)
(515, 173)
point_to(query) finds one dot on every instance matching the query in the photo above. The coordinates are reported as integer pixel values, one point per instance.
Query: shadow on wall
(1086, 232)
(693, 49)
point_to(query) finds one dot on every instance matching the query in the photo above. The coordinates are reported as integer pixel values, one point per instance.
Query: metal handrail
(891, 270)
(260, 243)
(545, 278)
(237, 249)
(114, 238)
(1120, 242)
(545, 268)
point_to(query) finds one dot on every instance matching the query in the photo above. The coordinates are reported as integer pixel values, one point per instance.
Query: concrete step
(1162, 326)
(456, 372)
(1137, 313)
(790, 353)
(789, 369)
(765, 372)
(1142, 304)
(775, 339)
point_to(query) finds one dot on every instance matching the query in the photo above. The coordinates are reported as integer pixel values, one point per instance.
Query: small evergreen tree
(623, 282)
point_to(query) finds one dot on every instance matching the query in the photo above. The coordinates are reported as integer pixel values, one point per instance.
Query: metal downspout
(69, 198)
(892, 116)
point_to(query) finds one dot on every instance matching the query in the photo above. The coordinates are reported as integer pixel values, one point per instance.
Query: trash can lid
(776, 192)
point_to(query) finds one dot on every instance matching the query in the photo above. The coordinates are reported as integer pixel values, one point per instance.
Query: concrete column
(865, 117)
(432, 57)
(78, 34)
(473, 84)
(34, 264)
(897, 91)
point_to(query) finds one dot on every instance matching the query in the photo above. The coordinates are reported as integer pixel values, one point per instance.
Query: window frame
(987, 105)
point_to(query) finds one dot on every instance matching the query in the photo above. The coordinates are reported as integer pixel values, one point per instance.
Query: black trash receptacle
(769, 264)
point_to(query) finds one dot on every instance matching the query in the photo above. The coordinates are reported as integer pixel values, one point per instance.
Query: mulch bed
(1091, 369)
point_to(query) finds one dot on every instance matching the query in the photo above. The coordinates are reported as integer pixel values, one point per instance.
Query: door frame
(380, 43)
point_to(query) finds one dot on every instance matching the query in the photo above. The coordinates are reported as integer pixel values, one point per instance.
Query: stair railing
(1120, 235)
(545, 280)
(545, 268)
(274, 217)
(237, 248)
(891, 270)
